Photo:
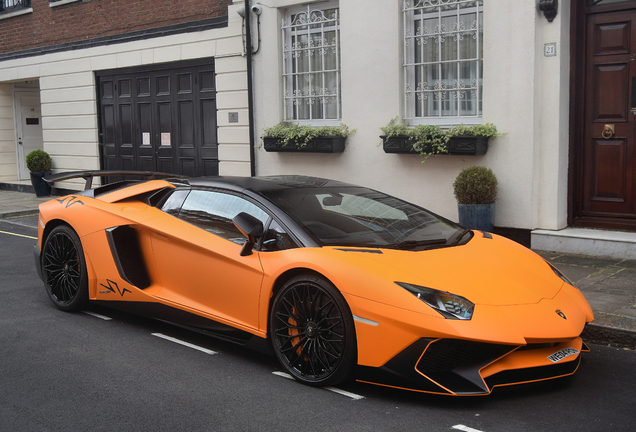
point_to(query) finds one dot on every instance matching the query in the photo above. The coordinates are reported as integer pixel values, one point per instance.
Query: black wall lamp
(549, 8)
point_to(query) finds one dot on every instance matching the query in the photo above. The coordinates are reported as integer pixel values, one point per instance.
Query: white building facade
(560, 83)
(62, 89)
(524, 93)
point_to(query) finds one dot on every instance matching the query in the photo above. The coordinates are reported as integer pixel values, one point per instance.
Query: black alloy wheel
(64, 269)
(312, 332)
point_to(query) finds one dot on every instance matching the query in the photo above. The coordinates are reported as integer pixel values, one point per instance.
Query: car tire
(312, 331)
(64, 269)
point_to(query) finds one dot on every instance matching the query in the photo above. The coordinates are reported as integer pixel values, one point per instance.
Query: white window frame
(424, 92)
(291, 52)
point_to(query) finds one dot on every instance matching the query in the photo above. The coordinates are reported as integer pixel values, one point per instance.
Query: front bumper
(463, 367)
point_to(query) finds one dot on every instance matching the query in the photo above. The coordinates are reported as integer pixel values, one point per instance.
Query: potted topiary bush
(39, 163)
(475, 189)
(292, 137)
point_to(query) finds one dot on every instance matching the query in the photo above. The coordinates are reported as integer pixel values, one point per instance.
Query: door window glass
(214, 211)
(276, 239)
(172, 205)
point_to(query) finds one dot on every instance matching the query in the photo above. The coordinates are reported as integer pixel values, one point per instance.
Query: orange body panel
(516, 294)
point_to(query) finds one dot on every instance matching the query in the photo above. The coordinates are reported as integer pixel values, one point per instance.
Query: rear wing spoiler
(88, 176)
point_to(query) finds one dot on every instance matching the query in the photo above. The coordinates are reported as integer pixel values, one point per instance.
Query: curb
(605, 335)
(17, 188)
(16, 213)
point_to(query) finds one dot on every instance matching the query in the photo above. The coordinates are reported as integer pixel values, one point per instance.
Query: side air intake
(126, 251)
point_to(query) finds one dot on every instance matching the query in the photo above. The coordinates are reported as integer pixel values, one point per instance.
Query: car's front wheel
(64, 269)
(312, 331)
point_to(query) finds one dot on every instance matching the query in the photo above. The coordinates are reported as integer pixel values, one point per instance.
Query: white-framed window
(7, 6)
(443, 61)
(311, 64)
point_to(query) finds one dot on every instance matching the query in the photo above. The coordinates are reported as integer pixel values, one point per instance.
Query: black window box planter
(397, 144)
(329, 144)
(468, 145)
(458, 145)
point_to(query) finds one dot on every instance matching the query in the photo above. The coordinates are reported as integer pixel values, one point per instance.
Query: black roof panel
(259, 184)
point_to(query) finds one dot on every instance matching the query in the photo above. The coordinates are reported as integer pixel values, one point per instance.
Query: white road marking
(96, 315)
(465, 428)
(331, 389)
(344, 393)
(19, 235)
(189, 345)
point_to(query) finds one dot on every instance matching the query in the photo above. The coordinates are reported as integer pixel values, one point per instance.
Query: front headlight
(450, 306)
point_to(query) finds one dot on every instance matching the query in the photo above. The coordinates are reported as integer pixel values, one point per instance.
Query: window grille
(443, 66)
(311, 64)
(11, 5)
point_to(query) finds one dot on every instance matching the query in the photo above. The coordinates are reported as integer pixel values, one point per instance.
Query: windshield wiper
(412, 244)
(458, 236)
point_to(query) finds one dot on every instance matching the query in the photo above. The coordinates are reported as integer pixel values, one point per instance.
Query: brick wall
(88, 19)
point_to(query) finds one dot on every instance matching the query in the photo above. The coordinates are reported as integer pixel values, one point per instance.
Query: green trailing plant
(429, 140)
(38, 161)
(475, 185)
(393, 128)
(487, 130)
(300, 135)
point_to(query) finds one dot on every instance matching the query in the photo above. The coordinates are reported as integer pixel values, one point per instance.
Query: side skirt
(191, 322)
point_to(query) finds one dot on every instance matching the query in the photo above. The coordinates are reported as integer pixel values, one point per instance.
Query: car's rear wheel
(312, 331)
(64, 269)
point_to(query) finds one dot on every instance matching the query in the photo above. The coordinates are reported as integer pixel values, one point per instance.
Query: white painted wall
(69, 108)
(525, 95)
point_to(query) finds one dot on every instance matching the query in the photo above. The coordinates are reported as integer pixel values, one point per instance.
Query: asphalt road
(109, 371)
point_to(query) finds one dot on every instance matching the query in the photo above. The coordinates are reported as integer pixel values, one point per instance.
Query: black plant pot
(42, 188)
(477, 216)
(397, 144)
(457, 145)
(468, 145)
(329, 144)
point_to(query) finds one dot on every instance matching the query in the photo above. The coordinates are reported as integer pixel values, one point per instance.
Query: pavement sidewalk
(608, 284)
(14, 203)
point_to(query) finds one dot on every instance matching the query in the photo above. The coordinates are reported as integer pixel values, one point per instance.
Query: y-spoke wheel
(312, 331)
(64, 269)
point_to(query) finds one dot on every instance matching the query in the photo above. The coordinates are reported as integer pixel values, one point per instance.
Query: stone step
(583, 241)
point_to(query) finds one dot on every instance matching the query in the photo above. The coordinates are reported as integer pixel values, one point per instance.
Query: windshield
(360, 217)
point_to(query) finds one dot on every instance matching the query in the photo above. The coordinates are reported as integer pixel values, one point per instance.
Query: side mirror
(251, 228)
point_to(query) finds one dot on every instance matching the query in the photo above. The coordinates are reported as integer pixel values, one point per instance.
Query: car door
(198, 256)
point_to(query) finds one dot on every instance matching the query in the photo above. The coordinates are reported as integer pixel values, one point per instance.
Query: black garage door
(159, 119)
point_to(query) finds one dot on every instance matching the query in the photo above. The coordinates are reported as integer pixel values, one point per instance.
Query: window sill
(61, 2)
(316, 123)
(444, 122)
(16, 13)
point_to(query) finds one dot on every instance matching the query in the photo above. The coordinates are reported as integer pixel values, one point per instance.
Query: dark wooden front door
(606, 187)
(160, 119)
(605, 162)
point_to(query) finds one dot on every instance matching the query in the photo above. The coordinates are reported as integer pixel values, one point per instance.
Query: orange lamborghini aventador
(339, 281)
